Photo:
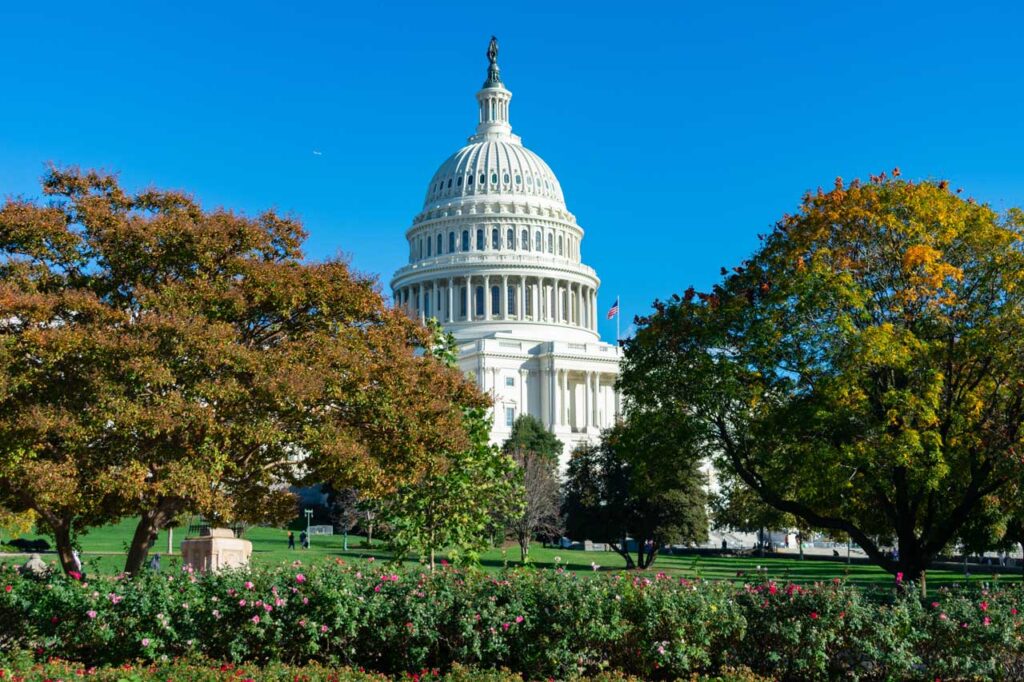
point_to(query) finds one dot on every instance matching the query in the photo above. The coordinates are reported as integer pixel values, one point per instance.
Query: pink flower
(145, 641)
(943, 616)
(986, 620)
(1013, 612)
(935, 604)
(305, 600)
(248, 585)
(91, 614)
(519, 619)
(216, 613)
(302, 623)
(505, 626)
(255, 619)
(241, 602)
(300, 578)
(899, 577)
(268, 608)
(323, 628)
(377, 588)
(983, 606)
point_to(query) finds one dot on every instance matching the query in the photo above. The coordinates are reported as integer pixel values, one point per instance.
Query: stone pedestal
(215, 550)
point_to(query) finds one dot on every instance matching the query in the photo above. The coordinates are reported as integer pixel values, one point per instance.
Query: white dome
(493, 167)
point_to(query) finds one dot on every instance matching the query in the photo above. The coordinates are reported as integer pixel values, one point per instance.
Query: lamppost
(309, 518)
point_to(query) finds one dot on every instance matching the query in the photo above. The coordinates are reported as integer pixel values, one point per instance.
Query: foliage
(550, 623)
(535, 451)
(157, 358)
(863, 370)
(452, 507)
(640, 482)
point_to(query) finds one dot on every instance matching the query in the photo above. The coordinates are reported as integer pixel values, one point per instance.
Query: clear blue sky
(678, 130)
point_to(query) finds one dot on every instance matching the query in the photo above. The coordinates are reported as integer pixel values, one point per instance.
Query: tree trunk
(623, 551)
(62, 537)
(150, 524)
(524, 547)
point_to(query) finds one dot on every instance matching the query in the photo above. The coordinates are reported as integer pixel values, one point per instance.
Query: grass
(103, 551)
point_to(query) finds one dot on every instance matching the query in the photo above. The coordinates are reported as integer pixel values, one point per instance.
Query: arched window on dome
(506, 178)
(465, 240)
(462, 302)
(519, 180)
(483, 179)
(529, 300)
(440, 243)
(479, 240)
(479, 312)
(449, 183)
(551, 243)
(458, 181)
(561, 250)
(495, 239)
(495, 300)
(469, 179)
(430, 243)
(511, 303)
(510, 238)
(419, 247)
(451, 242)
(538, 244)
(494, 178)
(524, 240)
(529, 180)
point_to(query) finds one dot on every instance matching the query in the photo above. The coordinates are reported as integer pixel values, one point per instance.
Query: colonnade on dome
(538, 297)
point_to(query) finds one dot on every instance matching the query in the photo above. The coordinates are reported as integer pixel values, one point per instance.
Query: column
(521, 300)
(469, 299)
(419, 299)
(524, 391)
(536, 300)
(487, 295)
(548, 313)
(586, 401)
(556, 402)
(559, 313)
(563, 418)
(504, 297)
(543, 378)
(579, 306)
(451, 299)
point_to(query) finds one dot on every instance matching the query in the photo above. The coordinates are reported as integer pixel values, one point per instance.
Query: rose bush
(540, 624)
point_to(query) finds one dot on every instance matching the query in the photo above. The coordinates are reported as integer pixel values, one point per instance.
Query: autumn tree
(452, 506)
(640, 483)
(863, 370)
(535, 451)
(157, 358)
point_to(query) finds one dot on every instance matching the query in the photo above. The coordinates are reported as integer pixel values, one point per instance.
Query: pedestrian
(725, 545)
(76, 561)
(154, 563)
(304, 540)
(291, 540)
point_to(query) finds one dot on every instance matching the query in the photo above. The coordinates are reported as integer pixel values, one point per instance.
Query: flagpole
(618, 321)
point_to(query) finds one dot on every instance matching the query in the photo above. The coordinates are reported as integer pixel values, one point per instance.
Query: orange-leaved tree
(157, 358)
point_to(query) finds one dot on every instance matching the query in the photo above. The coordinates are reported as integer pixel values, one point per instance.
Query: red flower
(814, 615)
(983, 606)
(9, 588)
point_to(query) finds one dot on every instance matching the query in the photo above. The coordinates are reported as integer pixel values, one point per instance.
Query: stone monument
(216, 549)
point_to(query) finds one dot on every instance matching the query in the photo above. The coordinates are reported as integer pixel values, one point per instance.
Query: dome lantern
(493, 99)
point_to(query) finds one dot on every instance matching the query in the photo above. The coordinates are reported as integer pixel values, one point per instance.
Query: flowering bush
(540, 624)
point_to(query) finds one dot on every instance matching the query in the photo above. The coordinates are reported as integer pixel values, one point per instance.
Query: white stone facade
(495, 256)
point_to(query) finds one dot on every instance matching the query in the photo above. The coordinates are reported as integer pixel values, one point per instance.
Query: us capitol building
(496, 257)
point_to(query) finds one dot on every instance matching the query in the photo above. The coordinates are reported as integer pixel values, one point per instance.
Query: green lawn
(104, 549)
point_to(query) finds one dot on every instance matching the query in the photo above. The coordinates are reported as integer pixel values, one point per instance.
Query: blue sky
(678, 130)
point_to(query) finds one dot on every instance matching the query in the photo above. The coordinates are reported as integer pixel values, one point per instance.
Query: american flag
(614, 310)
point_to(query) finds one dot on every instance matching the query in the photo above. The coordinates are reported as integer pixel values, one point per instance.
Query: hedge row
(541, 624)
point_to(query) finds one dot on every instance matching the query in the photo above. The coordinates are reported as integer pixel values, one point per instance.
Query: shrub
(538, 624)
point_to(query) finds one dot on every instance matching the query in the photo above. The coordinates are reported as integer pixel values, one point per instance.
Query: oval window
(506, 178)
(459, 181)
(519, 180)
(449, 183)
(494, 178)
(483, 178)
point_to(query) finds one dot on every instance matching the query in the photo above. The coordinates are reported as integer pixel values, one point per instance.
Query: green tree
(638, 483)
(535, 451)
(451, 508)
(863, 371)
(157, 358)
